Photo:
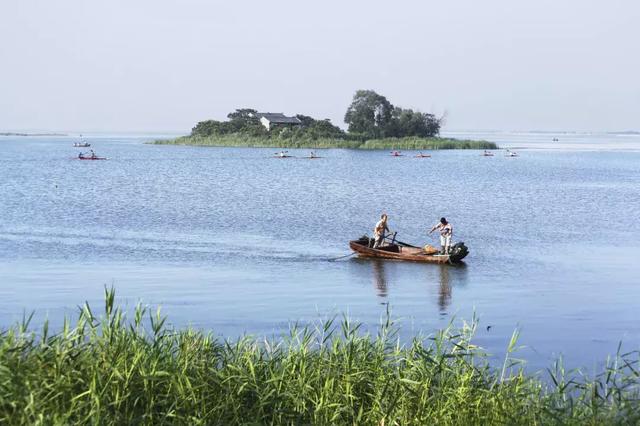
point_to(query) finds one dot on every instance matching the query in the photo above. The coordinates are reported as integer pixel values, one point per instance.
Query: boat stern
(457, 252)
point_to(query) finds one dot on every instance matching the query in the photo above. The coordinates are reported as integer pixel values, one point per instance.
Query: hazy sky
(162, 65)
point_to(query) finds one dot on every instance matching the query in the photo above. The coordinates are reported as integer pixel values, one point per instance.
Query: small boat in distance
(313, 156)
(82, 143)
(511, 154)
(487, 154)
(89, 156)
(395, 250)
(282, 154)
(396, 154)
(421, 155)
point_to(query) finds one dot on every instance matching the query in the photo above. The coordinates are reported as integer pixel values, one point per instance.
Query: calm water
(235, 241)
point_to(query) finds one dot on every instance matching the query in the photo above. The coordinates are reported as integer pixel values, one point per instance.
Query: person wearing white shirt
(446, 232)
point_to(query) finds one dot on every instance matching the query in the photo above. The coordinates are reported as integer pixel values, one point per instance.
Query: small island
(31, 134)
(373, 123)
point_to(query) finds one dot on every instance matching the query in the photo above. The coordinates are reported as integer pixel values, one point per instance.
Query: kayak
(423, 156)
(399, 251)
(91, 158)
(81, 145)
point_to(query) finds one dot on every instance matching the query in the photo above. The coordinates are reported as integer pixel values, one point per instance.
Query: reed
(414, 143)
(410, 143)
(110, 370)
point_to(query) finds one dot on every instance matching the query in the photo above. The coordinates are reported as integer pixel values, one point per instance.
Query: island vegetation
(31, 134)
(373, 123)
(109, 370)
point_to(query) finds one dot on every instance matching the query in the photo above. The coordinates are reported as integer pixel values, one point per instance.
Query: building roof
(278, 117)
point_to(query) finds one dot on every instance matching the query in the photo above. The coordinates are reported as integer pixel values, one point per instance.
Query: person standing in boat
(446, 232)
(379, 231)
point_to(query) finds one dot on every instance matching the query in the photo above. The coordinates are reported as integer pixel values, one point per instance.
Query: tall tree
(244, 114)
(306, 120)
(369, 114)
(407, 122)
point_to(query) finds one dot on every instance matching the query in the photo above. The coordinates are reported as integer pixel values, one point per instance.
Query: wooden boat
(401, 251)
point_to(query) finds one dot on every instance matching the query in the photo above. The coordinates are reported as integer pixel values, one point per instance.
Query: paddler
(379, 231)
(446, 232)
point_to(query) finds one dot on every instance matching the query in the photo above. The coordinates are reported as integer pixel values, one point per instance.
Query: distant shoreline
(31, 134)
(408, 143)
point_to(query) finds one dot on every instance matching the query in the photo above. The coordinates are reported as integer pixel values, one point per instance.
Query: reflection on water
(444, 292)
(441, 277)
(379, 278)
(449, 276)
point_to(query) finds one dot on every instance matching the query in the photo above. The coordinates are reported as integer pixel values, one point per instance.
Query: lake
(237, 242)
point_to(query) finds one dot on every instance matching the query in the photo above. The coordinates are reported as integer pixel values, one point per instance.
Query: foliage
(373, 116)
(246, 123)
(416, 143)
(314, 129)
(112, 371)
(407, 122)
(291, 139)
(243, 140)
(241, 121)
(306, 120)
(369, 114)
(243, 114)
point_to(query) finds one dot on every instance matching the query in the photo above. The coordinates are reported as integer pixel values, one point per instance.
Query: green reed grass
(410, 143)
(109, 370)
(414, 143)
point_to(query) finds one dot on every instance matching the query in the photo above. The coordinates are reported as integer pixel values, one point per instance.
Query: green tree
(246, 121)
(243, 114)
(306, 120)
(207, 128)
(407, 122)
(369, 114)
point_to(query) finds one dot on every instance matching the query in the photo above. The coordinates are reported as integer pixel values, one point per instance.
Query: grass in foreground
(409, 143)
(114, 371)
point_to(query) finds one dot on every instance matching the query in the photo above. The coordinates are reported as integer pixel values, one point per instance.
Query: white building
(271, 119)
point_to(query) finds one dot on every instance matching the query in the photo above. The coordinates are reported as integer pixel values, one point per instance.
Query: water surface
(233, 240)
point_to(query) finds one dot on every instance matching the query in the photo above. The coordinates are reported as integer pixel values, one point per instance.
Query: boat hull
(411, 254)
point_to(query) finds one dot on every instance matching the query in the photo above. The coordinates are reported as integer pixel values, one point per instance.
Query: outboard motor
(457, 252)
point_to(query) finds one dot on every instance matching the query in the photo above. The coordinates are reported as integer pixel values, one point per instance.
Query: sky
(163, 65)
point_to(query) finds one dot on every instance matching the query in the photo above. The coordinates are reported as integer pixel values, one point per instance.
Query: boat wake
(141, 246)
